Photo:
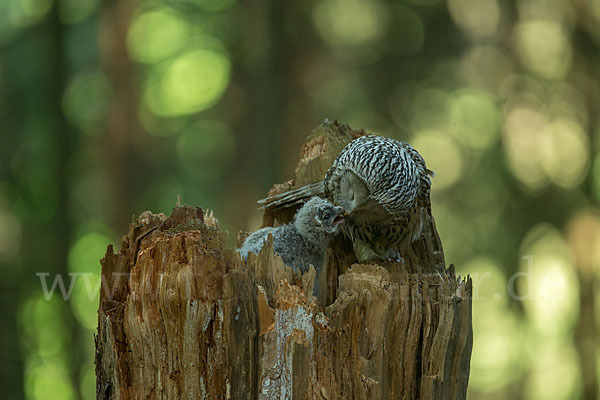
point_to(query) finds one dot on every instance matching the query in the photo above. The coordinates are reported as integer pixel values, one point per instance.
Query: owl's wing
(425, 175)
(291, 198)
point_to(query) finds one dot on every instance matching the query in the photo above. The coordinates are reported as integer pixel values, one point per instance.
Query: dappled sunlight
(547, 283)
(157, 34)
(86, 101)
(36, 311)
(544, 48)
(583, 236)
(48, 381)
(112, 108)
(44, 338)
(443, 156)
(497, 331)
(554, 372)
(567, 160)
(18, 14)
(475, 119)
(190, 83)
(478, 18)
(526, 139)
(485, 67)
(541, 150)
(84, 269)
(350, 24)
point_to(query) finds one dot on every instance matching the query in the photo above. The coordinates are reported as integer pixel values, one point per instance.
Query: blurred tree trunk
(264, 77)
(122, 122)
(181, 316)
(66, 143)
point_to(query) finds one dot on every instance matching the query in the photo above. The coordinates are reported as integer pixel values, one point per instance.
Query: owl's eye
(326, 216)
(351, 195)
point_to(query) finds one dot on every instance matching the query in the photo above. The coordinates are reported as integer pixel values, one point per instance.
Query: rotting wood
(182, 316)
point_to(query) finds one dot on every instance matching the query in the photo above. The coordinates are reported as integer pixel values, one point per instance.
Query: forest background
(109, 108)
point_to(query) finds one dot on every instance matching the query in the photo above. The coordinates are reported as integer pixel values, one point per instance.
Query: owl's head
(319, 216)
(329, 217)
(352, 194)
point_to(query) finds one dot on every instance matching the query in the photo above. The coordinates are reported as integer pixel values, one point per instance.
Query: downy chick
(304, 241)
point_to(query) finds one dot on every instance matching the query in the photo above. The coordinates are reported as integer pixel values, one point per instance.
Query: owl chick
(383, 184)
(304, 241)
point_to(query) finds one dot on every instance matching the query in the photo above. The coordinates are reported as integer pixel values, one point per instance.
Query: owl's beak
(340, 217)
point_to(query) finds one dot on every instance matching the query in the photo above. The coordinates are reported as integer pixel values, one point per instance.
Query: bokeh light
(544, 48)
(486, 67)
(475, 119)
(548, 285)
(86, 101)
(46, 373)
(554, 371)
(83, 261)
(583, 235)
(39, 311)
(190, 83)
(478, 18)
(540, 150)
(349, 24)
(113, 108)
(444, 157)
(48, 381)
(497, 332)
(157, 34)
(18, 14)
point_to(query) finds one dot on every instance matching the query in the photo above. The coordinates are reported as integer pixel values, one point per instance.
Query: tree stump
(182, 316)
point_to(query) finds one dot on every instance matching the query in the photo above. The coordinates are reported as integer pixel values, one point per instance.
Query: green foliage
(111, 108)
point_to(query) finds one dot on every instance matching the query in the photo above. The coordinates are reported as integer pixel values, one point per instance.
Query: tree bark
(182, 316)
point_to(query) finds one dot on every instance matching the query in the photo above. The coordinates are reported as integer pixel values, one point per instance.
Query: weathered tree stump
(182, 316)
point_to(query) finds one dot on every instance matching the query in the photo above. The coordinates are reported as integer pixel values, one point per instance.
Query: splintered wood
(183, 317)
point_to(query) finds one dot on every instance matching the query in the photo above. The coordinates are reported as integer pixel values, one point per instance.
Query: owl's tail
(292, 198)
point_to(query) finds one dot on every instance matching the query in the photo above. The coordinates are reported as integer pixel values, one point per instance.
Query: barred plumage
(392, 171)
(384, 185)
